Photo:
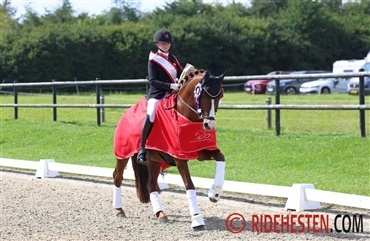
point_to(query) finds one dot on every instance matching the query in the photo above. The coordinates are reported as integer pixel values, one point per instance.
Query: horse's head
(199, 98)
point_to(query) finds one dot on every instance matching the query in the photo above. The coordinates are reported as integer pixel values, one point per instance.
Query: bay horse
(196, 104)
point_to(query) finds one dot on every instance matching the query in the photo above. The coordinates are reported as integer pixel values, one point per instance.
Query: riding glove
(175, 87)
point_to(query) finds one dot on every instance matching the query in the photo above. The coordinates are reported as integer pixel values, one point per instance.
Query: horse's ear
(205, 77)
(221, 77)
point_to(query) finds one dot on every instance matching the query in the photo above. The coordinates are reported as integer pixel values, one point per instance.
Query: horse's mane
(191, 76)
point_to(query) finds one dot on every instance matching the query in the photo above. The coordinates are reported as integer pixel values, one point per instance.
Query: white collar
(164, 53)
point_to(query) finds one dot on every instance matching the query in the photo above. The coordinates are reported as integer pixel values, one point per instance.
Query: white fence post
(297, 199)
(43, 169)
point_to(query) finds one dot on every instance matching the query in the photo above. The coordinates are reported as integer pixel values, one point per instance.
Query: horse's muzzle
(209, 123)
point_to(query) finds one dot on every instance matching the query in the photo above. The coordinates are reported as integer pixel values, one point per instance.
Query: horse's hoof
(120, 215)
(199, 228)
(198, 223)
(214, 193)
(163, 219)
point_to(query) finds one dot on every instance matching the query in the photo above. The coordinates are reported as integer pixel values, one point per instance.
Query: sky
(94, 6)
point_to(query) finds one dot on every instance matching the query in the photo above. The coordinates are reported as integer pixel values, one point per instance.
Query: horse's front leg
(118, 177)
(152, 185)
(214, 193)
(197, 218)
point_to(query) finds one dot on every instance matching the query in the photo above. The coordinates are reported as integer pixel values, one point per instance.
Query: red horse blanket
(172, 133)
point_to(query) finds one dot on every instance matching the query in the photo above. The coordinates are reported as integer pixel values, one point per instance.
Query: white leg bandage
(220, 174)
(156, 202)
(193, 204)
(117, 201)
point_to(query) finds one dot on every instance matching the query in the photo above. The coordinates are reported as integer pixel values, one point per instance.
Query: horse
(196, 102)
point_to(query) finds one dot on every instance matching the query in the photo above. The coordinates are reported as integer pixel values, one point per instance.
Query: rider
(163, 72)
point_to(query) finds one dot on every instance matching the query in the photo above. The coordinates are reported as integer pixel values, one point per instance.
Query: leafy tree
(267, 8)
(63, 14)
(270, 35)
(334, 5)
(186, 8)
(355, 22)
(31, 18)
(8, 33)
(127, 10)
(303, 35)
(6, 8)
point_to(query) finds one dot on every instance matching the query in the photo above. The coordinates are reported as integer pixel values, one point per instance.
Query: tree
(334, 5)
(305, 35)
(8, 34)
(63, 14)
(355, 22)
(31, 18)
(291, 35)
(267, 8)
(6, 9)
(127, 10)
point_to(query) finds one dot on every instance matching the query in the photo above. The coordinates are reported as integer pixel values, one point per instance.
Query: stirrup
(141, 157)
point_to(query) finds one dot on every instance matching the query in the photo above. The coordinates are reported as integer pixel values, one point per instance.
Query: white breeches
(152, 106)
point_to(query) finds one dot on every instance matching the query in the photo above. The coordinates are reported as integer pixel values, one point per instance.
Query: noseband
(198, 90)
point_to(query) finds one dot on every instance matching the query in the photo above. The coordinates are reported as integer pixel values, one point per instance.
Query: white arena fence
(300, 197)
(361, 107)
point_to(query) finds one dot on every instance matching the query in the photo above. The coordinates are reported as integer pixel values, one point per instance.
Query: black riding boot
(147, 127)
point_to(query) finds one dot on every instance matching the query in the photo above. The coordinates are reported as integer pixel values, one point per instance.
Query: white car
(354, 83)
(325, 86)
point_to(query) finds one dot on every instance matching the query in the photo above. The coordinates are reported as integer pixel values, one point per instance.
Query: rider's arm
(157, 77)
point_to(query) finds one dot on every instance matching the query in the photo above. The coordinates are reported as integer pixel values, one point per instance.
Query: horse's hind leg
(118, 177)
(152, 185)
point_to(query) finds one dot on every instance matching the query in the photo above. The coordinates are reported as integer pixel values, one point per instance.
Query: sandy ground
(80, 208)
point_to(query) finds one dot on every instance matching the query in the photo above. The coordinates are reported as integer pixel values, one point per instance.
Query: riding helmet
(163, 35)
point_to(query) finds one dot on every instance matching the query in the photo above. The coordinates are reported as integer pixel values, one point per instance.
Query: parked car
(259, 86)
(291, 86)
(354, 83)
(325, 86)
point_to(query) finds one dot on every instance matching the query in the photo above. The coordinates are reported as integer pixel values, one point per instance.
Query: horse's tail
(141, 180)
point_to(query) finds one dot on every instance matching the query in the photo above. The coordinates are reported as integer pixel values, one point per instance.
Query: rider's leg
(141, 158)
(147, 127)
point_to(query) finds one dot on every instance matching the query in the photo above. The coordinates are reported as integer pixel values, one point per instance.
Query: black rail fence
(100, 105)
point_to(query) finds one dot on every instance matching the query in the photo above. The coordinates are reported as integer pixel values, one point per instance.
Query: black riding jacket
(159, 79)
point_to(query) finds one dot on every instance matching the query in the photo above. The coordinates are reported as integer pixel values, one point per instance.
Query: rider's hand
(175, 87)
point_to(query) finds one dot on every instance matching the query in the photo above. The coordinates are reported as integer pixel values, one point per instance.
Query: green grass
(319, 147)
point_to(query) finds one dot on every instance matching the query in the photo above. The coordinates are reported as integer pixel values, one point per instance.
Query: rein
(197, 93)
(191, 108)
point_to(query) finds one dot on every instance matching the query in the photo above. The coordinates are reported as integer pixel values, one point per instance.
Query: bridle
(198, 90)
